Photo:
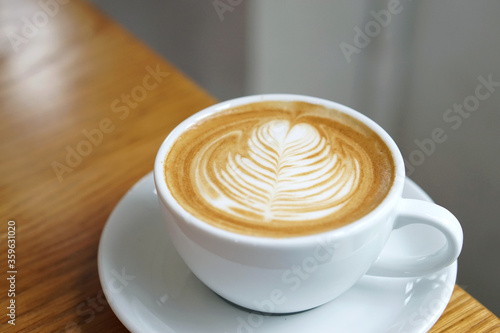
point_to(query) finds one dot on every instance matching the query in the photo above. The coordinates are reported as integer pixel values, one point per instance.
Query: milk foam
(291, 173)
(279, 169)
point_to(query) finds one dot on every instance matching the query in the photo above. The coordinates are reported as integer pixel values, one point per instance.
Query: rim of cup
(364, 222)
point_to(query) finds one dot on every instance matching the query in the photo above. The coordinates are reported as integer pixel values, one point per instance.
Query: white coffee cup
(285, 275)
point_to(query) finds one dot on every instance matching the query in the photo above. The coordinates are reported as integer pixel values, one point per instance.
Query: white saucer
(150, 289)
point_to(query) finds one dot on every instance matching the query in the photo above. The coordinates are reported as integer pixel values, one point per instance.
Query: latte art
(279, 169)
(285, 173)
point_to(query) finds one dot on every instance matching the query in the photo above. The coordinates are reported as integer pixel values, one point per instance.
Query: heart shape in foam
(285, 172)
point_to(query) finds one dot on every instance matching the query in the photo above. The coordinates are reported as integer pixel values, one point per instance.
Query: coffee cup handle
(412, 211)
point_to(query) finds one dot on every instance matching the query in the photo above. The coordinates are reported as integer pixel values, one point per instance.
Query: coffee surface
(279, 169)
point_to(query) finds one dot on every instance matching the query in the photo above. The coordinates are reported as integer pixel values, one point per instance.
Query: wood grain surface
(84, 107)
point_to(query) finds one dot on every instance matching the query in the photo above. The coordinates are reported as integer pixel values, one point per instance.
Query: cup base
(263, 313)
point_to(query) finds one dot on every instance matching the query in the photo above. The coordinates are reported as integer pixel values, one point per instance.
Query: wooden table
(83, 109)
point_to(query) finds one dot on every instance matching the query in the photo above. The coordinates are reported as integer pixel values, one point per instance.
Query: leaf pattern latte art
(287, 172)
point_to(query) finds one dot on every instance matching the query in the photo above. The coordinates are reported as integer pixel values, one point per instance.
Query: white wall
(293, 47)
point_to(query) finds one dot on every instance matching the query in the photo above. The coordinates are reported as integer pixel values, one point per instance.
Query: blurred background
(427, 71)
